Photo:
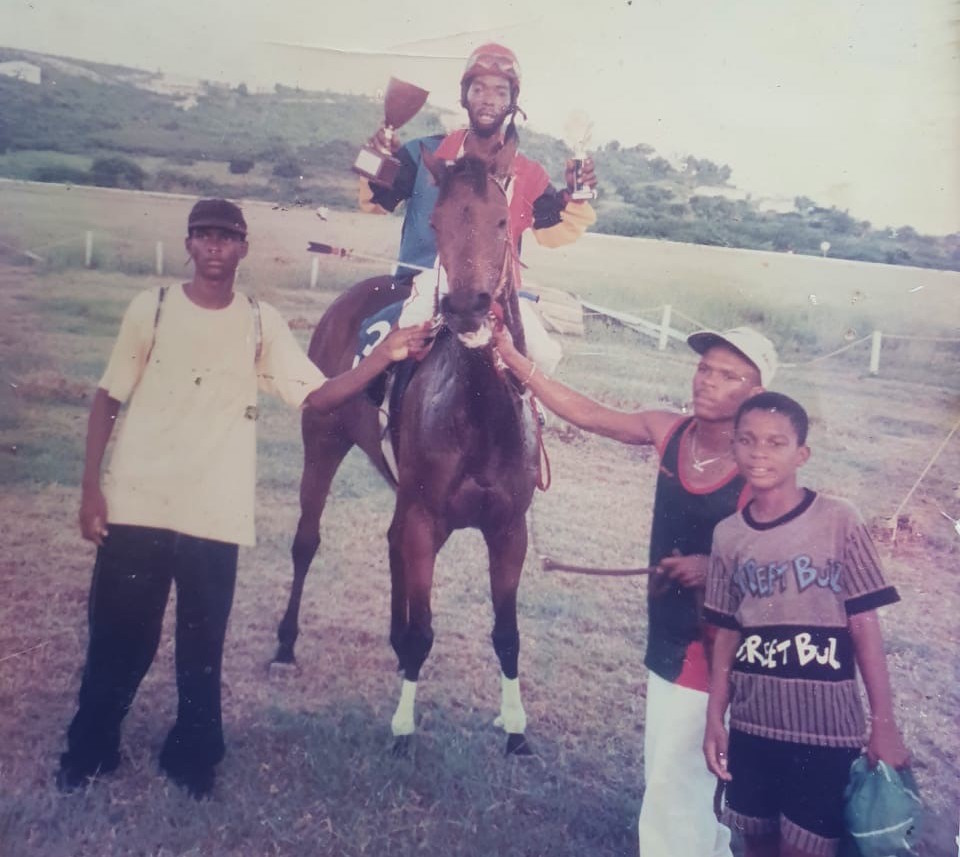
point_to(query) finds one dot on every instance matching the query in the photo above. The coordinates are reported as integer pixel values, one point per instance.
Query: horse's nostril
(482, 302)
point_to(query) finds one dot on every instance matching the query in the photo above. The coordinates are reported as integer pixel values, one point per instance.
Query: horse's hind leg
(507, 549)
(324, 450)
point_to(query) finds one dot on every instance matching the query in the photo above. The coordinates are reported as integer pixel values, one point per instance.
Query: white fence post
(314, 271)
(159, 258)
(88, 250)
(875, 353)
(664, 329)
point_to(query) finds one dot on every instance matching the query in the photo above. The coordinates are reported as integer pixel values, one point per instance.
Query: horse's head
(471, 221)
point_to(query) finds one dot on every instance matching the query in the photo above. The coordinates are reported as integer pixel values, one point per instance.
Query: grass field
(308, 769)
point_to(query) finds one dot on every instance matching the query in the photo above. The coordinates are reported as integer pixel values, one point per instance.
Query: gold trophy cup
(401, 102)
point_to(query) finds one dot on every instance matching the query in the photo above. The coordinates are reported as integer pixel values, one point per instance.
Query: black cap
(219, 213)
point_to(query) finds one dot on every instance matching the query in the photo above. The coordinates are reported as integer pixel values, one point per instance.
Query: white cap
(746, 341)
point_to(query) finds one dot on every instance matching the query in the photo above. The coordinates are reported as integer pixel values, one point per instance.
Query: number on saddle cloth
(375, 328)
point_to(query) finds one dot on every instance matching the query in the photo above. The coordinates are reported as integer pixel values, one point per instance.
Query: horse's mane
(470, 169)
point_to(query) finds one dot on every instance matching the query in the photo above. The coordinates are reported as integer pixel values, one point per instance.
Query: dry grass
(308, 769)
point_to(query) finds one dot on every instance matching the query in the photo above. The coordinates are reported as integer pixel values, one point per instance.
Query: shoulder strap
(161, 294)
(257, 327)
(257, 323)
(669, 454)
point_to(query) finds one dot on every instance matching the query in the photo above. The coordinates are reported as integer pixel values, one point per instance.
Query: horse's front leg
(507, 548)
(414, 541)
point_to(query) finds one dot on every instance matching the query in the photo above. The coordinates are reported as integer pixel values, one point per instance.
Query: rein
(543, 460)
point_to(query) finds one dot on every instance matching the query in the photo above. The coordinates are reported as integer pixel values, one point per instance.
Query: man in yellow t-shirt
(177, 498)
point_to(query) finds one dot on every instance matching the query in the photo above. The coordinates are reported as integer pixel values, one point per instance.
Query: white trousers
(676, 818)
(541, 348)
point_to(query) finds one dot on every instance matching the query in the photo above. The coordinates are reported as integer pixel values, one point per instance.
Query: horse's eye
(502, 224)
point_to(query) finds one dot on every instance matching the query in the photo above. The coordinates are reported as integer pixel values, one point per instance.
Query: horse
(465, 439)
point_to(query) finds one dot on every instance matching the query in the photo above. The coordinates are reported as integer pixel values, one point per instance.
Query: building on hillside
(734, 194)
(25, 71)
(779, 204)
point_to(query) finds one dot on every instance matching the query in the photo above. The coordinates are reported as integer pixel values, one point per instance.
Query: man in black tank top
(697, 487)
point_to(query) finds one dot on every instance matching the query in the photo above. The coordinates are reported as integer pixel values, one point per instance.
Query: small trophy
(401, 102)
(577, 132)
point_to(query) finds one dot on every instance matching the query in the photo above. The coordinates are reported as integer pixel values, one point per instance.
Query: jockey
(489, 89)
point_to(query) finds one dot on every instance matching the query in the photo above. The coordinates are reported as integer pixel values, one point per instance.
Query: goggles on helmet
(492, 59)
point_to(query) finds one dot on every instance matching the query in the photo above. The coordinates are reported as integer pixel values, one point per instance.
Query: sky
(854, 104)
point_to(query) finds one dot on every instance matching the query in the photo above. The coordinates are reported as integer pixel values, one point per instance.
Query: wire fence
(660, 323)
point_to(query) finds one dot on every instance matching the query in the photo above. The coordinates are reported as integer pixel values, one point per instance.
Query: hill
(113, 126)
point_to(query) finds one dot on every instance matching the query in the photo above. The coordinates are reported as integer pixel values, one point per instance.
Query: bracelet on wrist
(533, 369)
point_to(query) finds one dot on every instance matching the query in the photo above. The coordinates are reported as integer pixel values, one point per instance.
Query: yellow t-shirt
(185, 453)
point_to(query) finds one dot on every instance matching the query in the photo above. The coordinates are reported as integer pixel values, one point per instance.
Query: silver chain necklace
(700, 463)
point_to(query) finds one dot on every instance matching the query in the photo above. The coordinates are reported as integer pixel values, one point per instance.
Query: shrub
(241, 166)
(182, 182)
(288, 168)
(117, 171)
(60, 173)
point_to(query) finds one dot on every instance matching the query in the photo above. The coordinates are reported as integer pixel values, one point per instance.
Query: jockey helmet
(491, 59)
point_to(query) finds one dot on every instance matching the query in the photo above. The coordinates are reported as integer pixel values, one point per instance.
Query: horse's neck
(479, 381)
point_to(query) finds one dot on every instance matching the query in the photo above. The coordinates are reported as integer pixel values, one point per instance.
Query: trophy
(401, 102)
(577, 133)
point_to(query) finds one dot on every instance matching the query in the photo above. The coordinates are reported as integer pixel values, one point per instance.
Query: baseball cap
(218, 213)
(745, 341)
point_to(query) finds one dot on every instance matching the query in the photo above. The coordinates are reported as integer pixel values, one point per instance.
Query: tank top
(683, 520)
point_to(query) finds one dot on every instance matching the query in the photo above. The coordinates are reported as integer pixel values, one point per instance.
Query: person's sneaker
(196, 781)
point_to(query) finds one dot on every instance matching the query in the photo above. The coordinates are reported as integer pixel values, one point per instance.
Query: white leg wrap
(512, 717)
(402, 722)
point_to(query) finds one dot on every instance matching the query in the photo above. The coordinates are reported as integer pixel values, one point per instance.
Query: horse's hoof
(285, 654)
(282, 669)
(401, 747)
(517, 745)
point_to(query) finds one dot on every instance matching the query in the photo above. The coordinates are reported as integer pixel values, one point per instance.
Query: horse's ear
(502, 166)
(437, 166)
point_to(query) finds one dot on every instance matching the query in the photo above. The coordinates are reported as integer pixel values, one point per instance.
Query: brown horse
(465, 442)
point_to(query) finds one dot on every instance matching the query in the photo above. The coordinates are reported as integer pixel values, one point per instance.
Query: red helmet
(492, 59)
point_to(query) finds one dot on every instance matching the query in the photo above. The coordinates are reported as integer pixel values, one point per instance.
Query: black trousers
(128, 596)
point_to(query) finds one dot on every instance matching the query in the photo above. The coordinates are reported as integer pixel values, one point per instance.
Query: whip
(550, 564)
(347, 253)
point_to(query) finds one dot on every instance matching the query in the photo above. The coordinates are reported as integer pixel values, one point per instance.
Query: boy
(794, 584)
(178, 497)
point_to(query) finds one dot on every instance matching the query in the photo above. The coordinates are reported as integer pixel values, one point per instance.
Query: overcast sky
(855, 104)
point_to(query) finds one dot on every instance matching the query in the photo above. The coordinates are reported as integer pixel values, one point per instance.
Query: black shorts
(775, 781)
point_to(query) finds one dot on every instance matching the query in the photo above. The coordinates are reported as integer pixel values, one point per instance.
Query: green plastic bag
(882, 811)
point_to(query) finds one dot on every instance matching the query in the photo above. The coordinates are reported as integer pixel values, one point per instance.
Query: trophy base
(376, 166)
(583, 194)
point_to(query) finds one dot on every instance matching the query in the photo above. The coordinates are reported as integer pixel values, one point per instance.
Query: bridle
(509, 269)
